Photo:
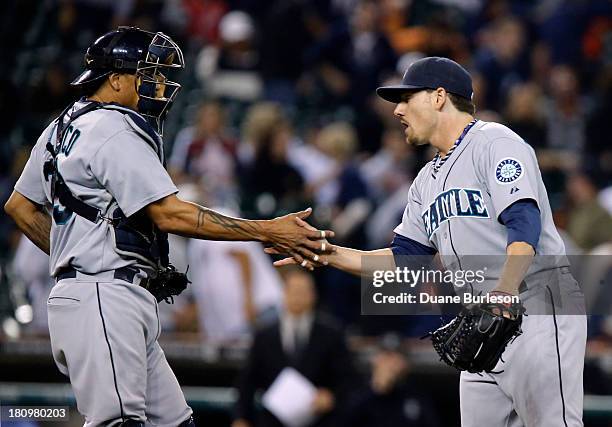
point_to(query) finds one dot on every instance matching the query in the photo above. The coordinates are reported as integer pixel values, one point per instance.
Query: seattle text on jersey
(456, 202)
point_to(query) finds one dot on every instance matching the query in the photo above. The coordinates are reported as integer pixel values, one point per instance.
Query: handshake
(303, 244)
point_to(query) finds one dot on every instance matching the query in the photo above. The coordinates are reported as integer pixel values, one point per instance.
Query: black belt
(123, 273)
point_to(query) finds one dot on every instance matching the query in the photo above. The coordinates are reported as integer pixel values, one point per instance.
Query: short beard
(418, 141)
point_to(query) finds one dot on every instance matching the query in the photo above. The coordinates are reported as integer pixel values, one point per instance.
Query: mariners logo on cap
(508, 170)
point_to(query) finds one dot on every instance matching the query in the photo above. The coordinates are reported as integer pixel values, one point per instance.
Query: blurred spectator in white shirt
(234, 285)
(228, 69)
(205, 154)
(31, 268)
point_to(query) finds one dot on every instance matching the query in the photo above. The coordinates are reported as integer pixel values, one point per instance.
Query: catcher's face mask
(156, 92)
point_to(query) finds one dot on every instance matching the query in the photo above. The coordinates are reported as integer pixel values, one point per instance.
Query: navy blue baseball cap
(431, 73)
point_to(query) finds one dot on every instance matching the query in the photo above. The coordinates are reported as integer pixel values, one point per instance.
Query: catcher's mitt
(475, 340)
(167, 284)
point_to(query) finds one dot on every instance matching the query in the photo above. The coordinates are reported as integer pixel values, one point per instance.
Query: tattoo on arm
(240, 228)
(38, 229)
(201, 216)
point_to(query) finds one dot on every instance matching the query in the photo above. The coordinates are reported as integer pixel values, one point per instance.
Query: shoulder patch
(508, 170)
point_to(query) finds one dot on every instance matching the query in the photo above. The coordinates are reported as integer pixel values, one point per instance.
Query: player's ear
(115, 81)
(439, 97)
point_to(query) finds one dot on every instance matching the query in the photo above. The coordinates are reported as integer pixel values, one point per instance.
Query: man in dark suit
(304, 341)
(392, 397)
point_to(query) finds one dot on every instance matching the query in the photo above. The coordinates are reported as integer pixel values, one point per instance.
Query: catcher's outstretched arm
(173, 215)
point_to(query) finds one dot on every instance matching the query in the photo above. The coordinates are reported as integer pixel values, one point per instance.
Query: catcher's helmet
(116, 52)
(131, 50)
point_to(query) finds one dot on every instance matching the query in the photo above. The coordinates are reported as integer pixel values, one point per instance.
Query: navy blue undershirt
(405, 246)
(522, 219)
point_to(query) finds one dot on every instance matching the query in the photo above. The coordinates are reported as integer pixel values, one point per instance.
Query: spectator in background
(31, 267)
(203, 17)
(304, 340)
(205, 154)
(350, 205)
(48, 95)
(540, 64)
(349, 64)
(12, 167)
(269, 182)
(500, 58)
(346, 212)
(51, 94)
(589, 224)
(598, 145)
(565, 111)
(386, 216)
(234, 286)
(479, 84)
(444, 38)
(390, 167)
(314, 165)
(181, 316)
(283, 40)
(391, 398)
(369, 54)
(388, 174)
(524, 113)
(229, 69)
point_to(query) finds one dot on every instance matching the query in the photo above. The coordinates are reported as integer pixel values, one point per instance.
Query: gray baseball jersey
(104, 329)
(106, 164)
(456, 211)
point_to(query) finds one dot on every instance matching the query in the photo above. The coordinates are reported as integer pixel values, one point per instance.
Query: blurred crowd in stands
(278, 112)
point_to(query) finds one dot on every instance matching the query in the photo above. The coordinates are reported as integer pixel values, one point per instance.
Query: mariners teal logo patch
(508, 170)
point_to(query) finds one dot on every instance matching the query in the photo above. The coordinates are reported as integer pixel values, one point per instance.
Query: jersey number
(71, 135)
(62, 214)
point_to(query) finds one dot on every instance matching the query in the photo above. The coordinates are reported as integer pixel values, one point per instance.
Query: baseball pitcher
(482, 194)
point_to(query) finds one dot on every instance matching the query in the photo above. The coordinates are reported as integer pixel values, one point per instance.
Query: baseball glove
(167, 284)
(475, 340)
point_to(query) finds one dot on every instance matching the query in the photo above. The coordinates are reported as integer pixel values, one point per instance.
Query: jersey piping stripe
(450, 234)
(158, 322)
(558, 353)
(111, 353)
(484, 382)
(436, 165)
